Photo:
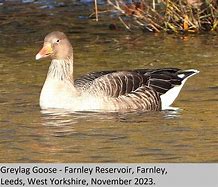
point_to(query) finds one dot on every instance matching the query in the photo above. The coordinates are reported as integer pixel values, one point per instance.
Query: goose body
(140, 89)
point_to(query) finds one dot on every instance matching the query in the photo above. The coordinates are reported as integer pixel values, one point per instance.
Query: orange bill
(44, 52)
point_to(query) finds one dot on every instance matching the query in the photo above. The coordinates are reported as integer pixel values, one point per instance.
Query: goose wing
(143, 89)
(86, 80)
(118, 83)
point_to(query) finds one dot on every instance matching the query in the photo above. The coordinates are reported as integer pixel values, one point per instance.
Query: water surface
(27, 134)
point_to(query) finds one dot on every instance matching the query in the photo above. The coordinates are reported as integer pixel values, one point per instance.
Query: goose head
(57, 46)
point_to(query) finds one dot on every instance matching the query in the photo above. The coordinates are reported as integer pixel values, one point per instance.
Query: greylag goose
(140, 89)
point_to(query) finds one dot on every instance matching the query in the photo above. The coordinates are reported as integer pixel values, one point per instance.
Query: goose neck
(61, 69)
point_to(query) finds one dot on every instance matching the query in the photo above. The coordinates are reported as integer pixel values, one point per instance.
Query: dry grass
(178, 16)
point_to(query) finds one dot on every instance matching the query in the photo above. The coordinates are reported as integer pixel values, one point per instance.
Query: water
(27, 134)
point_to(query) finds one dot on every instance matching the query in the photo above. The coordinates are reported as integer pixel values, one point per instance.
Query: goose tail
(185, 74)
(169, 97)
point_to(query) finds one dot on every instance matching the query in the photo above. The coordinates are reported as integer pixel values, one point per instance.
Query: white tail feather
(169, 97)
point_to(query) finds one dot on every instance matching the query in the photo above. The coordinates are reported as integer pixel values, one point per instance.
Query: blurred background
(187, 133)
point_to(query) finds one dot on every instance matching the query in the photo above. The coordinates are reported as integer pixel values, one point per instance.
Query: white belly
(56, 94)
(59, 94)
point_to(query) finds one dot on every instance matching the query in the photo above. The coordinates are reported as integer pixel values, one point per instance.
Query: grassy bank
(171, 16)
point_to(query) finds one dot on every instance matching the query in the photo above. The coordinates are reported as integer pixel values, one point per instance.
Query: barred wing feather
(117, 83)
(140, 89)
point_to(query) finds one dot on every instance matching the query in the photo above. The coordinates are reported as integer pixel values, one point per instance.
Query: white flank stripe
(169, 97)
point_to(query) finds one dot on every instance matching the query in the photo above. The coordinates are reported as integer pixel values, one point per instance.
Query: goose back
(136, 89)
(117, 83)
